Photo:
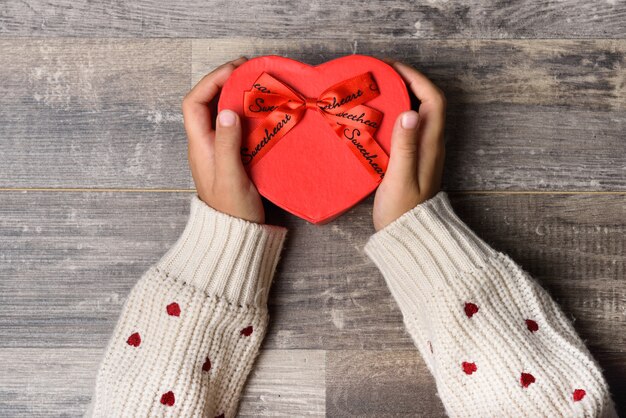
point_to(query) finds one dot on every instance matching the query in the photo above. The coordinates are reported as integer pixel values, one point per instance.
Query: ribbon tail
(274, 127)
(365, 148)
(363, 117)
(260, 105)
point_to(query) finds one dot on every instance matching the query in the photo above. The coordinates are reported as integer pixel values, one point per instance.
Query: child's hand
(417, 152)
(214, 155)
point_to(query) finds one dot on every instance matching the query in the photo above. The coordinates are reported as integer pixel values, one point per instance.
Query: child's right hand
(417, 152)
(214, 154)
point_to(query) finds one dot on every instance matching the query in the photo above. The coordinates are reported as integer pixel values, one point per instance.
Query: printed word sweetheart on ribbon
(342, 105)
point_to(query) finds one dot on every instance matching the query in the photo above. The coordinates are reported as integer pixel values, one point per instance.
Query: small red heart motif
(579, 394)
(469, 368)
(247, 331)
(168, 398)
(173, 309)
(532, 325)
(134, 340)
(470, 309)
(311, 172)
(527, 379)
(207, 365)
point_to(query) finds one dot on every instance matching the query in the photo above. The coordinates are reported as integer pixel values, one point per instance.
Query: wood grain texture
(68, 260)
(289, 383)
(106, 113)
(614, 367)
(322, 19)
(90, 98)
(362, 383)
(398, 384)
(93, 113)
(45, 382)
(571, 74)
(552, 110)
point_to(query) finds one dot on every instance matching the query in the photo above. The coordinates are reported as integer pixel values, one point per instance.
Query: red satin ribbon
(341, 105)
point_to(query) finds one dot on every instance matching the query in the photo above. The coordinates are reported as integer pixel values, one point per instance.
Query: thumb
(228, 145)
(404, 147)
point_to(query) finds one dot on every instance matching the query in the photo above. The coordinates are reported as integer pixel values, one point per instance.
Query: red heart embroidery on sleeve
(526, 379)
(134, 340)
(207, 365)
(469, 368)
(470, 309)
(579, 394)
(173, 309)
(532, 325)
(168, 398)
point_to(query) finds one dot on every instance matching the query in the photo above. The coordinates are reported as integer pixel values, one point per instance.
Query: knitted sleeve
(495, 342)
(192, 326)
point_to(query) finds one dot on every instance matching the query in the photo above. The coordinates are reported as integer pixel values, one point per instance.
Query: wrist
(431, 238)
(225, 256)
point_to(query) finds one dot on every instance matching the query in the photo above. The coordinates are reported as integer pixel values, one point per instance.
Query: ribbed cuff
(225, 256)
(429, 244)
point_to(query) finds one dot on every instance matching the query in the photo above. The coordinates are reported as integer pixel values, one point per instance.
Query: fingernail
(227, 118)
(409, 120)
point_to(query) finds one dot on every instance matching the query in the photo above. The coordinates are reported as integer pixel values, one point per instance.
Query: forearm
(192, 326)
(495, 342)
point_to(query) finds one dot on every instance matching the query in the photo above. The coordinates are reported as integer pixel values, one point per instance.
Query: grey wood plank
(572, 74)
(93, 113)
(538, 148)
(614, 369)
(106, 113)
(288, 383)
(551, 109)
(68, 260)
(49, 382)
(380, 384)
(398, 384)
(323, 19)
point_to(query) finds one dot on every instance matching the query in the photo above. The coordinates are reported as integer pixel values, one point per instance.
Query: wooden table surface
(94, 184)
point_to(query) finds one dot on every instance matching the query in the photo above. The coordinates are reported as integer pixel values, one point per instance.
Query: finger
(196, 110)
(403, 158)
(430, 164)
(206, 89)
(432, 121)
(425, 90)
(431, 150)
(228, 165)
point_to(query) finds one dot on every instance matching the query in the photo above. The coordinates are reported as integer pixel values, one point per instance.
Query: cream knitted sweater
(495, 342)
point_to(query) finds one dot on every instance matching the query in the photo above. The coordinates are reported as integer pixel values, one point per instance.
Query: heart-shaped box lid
(311, 172)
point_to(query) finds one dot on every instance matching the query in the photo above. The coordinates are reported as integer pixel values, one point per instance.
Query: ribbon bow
(341, 105)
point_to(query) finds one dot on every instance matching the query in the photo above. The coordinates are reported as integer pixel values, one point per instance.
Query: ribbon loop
(342, 105)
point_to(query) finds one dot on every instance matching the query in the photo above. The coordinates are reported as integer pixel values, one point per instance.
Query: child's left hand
(417, 152)
(214, 154)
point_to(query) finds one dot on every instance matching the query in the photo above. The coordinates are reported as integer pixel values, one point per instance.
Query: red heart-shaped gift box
(310, 171)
